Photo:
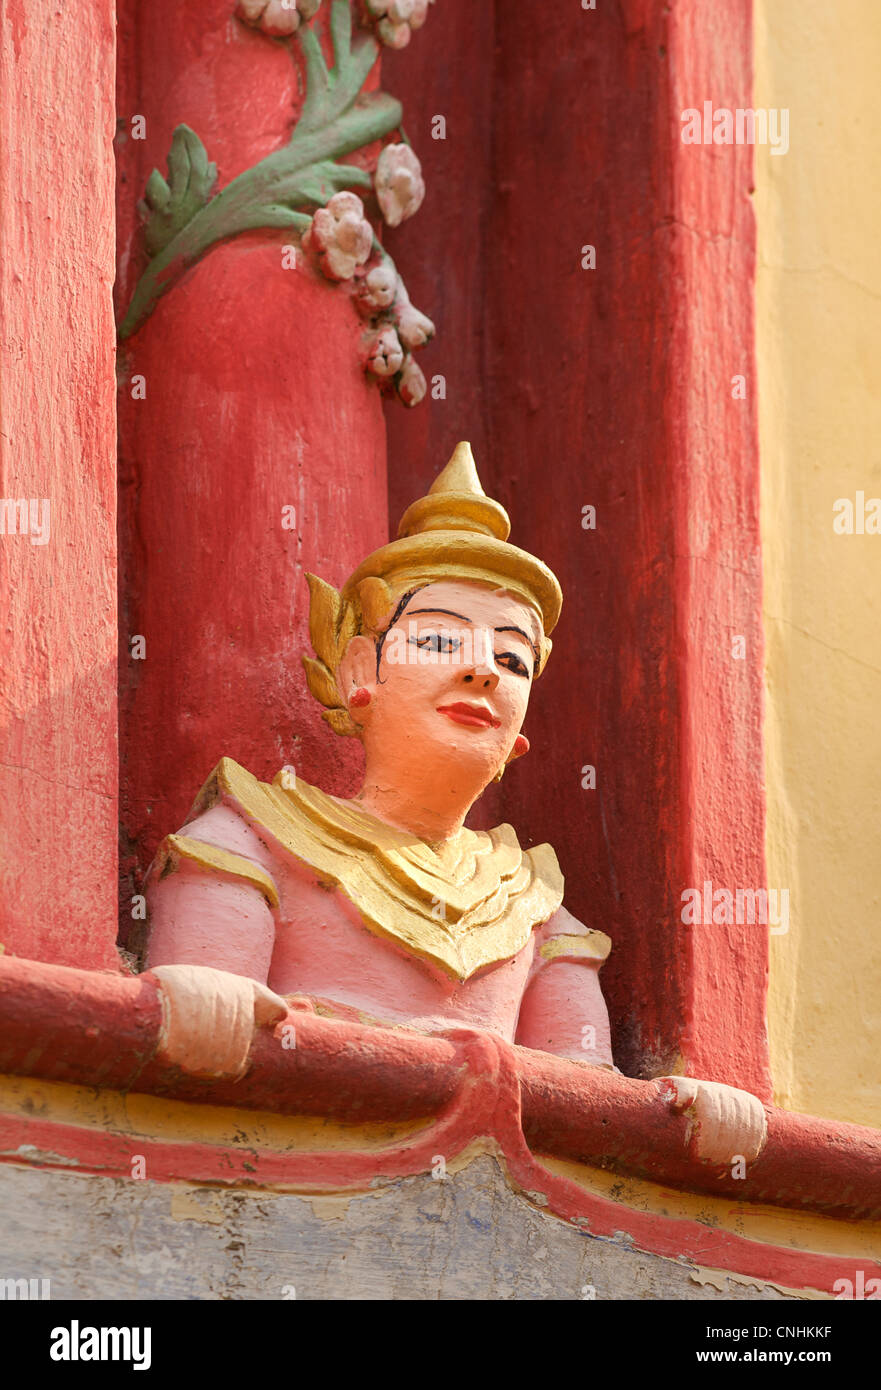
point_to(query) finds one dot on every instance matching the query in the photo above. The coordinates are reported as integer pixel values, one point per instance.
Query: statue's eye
(439, 642)
(513, 662)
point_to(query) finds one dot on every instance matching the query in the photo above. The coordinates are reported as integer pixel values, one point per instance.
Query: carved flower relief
(340, 236)
(415, 329)
(341, 239)
(385, 356)
(377, 289)
(185, 216)
(399, 185)
(411, 382)
(277, 18)
(397, 19)
(397, 329)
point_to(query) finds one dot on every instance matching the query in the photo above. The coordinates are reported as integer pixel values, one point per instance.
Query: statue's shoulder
(274, 805)
(290, 815)
(230, 784)
(222, 835)
(540, 860)
(239, 827)
(546, 866)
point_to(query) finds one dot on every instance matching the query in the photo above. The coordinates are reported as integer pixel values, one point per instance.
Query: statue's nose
(487, 680)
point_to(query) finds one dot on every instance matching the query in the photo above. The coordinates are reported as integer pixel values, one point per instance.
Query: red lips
(474, 716)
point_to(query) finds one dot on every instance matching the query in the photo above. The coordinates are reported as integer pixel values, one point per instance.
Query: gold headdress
(455, 532)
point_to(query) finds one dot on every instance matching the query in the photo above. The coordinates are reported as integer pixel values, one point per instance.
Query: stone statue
(385, 908)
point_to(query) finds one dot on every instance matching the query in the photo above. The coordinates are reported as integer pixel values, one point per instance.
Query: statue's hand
(209, 1018)
(726, 1124)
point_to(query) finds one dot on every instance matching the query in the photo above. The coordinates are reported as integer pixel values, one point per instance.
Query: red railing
(102, 1030)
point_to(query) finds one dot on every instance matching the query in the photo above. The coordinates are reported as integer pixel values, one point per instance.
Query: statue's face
(454, 675)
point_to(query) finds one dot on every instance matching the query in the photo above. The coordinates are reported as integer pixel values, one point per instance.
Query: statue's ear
(357, 669)
(375, 598)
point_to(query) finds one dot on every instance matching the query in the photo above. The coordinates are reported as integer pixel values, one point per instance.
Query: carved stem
(265, 196)
(303, 173)
(330, 93)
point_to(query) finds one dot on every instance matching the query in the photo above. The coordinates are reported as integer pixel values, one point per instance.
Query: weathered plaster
(199, 1152)
(464, 1237)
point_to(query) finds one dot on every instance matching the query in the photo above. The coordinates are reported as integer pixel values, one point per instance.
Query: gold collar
(464, 905)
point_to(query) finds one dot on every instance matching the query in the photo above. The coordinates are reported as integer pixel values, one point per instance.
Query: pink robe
(291, 931)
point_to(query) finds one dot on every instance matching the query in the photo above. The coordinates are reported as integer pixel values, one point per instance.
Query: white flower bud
(385, 356)
(396, 20)
(340, 236)
(401, 11)
(377, 289)
(414, 328)
(277, 18)
(393, 35)
(411, 382)
(399, 185)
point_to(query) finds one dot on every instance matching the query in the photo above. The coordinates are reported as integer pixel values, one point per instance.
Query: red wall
(58, 757)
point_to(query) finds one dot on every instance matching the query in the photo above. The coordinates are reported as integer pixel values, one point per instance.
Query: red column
(253, 401)
(58, 758)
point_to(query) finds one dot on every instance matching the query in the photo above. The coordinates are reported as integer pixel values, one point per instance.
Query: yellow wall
(819, 355)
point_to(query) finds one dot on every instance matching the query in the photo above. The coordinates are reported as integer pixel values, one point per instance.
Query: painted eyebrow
(448, 613)
(528, 640)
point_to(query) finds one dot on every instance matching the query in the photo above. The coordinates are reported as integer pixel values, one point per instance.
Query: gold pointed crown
(456, 502)
(454, 532)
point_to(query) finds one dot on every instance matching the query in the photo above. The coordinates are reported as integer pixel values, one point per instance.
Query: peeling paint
(32, 1154)
(720, 1279)
(197, 1204)
(333, 1208)
(776, 1226)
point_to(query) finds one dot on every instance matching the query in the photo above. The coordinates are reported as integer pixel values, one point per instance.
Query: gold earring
(500, 774)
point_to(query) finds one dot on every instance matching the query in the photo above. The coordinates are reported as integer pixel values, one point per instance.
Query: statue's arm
(563, 1010)
(210, 900)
